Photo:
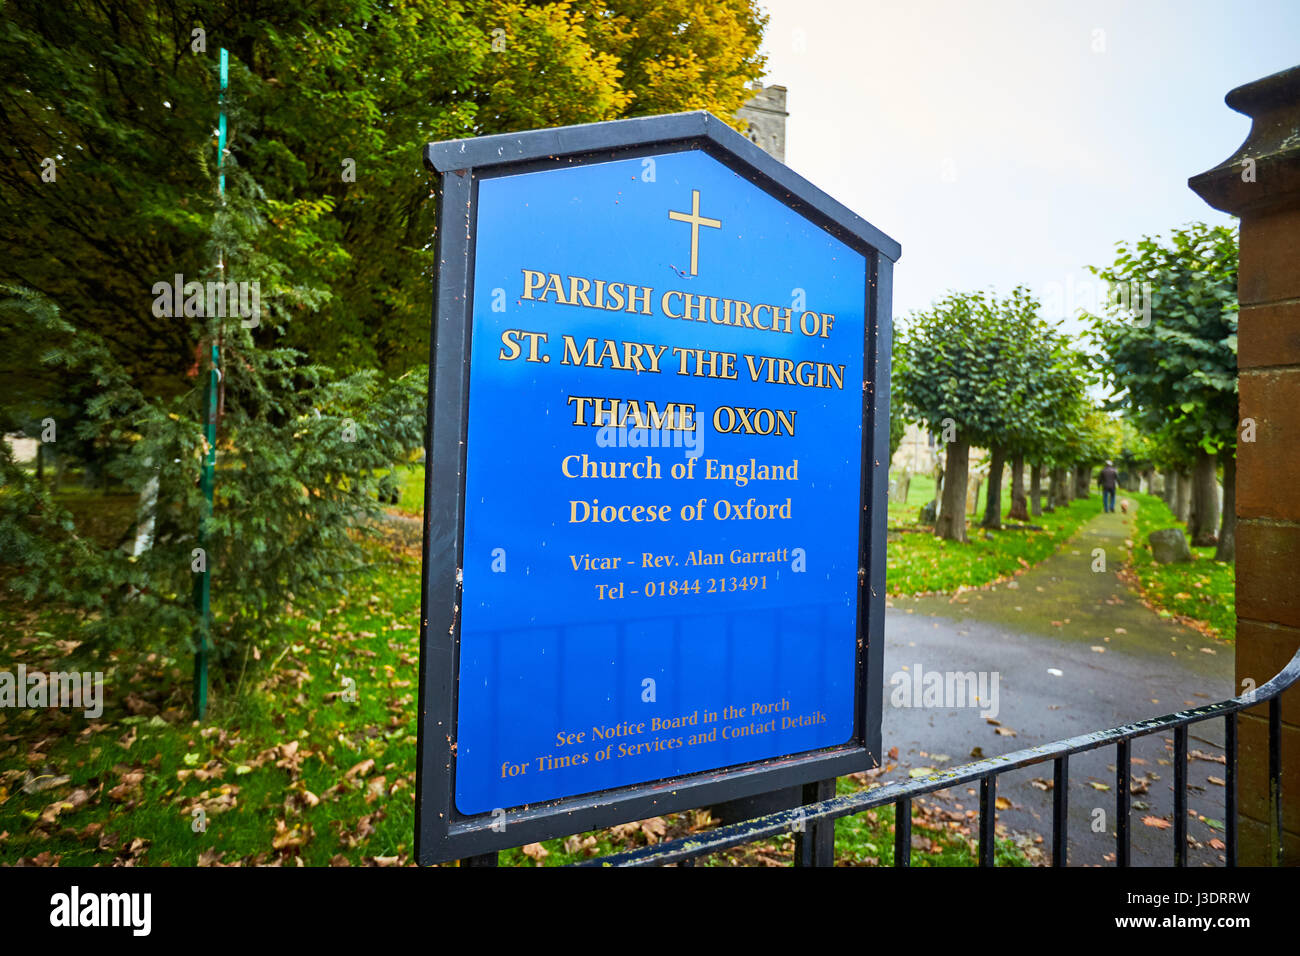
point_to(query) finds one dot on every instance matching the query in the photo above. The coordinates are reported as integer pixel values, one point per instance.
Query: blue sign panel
(662, 480)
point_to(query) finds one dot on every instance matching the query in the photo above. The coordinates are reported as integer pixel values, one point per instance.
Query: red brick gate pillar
(1261, 184)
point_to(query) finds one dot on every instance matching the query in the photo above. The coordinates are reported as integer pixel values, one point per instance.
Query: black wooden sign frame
(442, 833)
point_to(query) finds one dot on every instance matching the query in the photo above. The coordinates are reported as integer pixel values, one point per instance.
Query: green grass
(940, 837)
(410, 483)
(1202, 591)
(918, 562)
(276, 759)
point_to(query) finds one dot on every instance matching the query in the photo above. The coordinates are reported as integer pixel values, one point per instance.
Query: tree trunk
(146, 517)
(1182, 495)
(1036, 489)
(1168, 487)
(1204, 527)
(1019, 503)
(993, 497)
(952, 511)
(1082, 478)
(1227, 547)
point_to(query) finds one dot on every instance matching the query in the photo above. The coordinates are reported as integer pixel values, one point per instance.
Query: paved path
(1118, 662)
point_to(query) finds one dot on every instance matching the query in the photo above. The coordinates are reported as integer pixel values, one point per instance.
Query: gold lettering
(531, 281)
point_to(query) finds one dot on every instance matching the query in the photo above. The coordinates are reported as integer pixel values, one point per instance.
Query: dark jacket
(1108, 478)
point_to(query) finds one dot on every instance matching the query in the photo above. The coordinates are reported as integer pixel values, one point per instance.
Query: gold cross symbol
(696, 220)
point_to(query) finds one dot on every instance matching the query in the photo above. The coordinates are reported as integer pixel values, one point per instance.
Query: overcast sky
(1006, 142)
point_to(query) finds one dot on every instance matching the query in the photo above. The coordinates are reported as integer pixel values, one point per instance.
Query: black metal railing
(805, 820)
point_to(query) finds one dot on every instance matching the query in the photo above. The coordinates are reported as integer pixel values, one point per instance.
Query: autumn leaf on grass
(129, 786)
(213, 770)
(361, 769)
(223, 800)
(132, 853)
(1160, 823)
(138, 706)
(365, 827)
(211, 857)
(535, 851)
(625, 831)
(290, 757)
(654, 829)
(291, 838)
(700, 820)
(577, 844)
(297, 798)
(74, 801)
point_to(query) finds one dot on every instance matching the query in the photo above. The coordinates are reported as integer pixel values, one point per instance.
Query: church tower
(766, 114)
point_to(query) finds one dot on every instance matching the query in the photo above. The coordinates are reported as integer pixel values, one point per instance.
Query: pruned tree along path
(1118, 662)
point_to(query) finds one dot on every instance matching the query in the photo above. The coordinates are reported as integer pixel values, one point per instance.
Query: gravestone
(899, 487)
(1169, 545)
(654, 551)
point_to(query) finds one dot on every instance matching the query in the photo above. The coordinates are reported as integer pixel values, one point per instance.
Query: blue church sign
(655, 513)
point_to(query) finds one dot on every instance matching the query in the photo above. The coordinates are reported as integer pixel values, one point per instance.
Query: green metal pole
(208, 477)
(203, 585)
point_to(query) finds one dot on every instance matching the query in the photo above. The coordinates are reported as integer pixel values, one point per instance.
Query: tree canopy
(1171, 339)
(330, 107)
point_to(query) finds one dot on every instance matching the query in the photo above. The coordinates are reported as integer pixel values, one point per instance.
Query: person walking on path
(1108, 479)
